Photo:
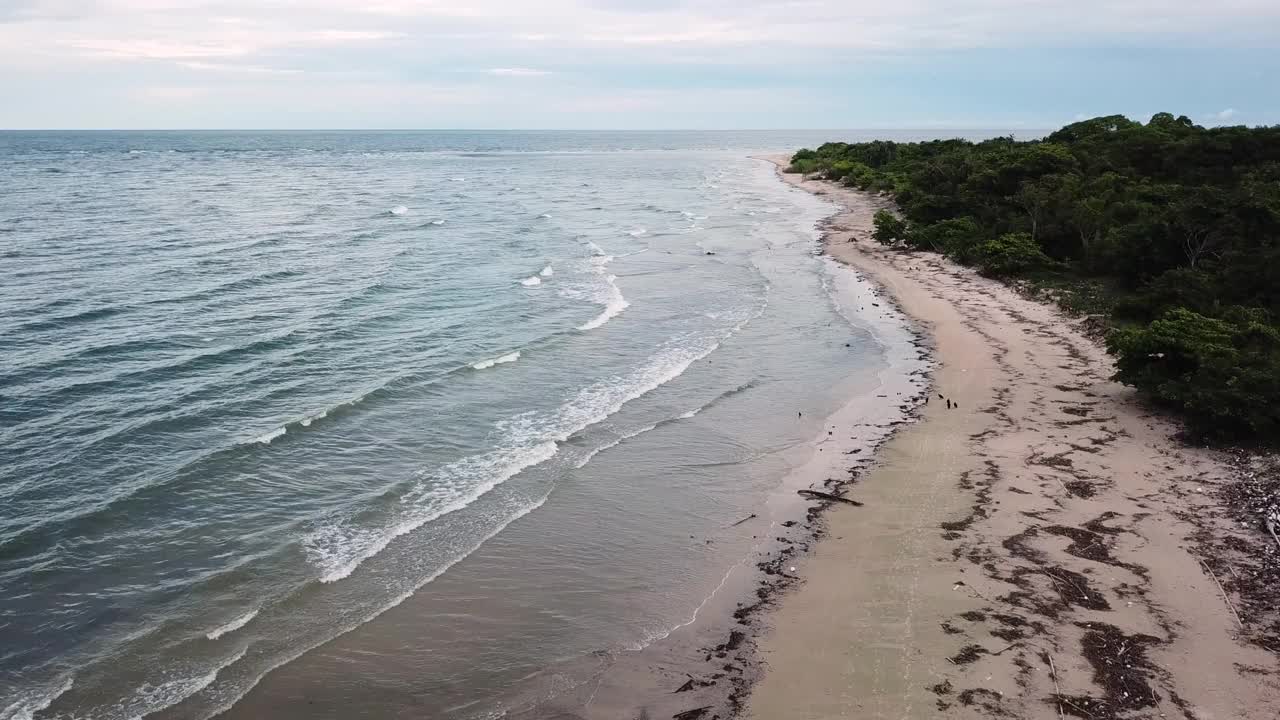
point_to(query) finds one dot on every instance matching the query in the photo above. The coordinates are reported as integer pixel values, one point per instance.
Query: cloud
(1226, 114)
(591, 48)
(518, 72)
(232, 68)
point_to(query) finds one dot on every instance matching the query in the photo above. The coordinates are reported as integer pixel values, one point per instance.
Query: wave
(151, 699)
(545, 216)
(614, 303)
(337, 548)
(661, 423)
(399, 210)
(232, 626)
(531, 281)
(547, 271)
(266, 438)
(595, 249)
(639, 232)
(28, 704)
(618, 441)
(395, 602)
(508, 358)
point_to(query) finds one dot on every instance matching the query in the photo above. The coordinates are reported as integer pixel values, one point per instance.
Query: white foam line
(232, 626)
(534, 456)
(508, 358)
(268, 437)
(175, 691)
(664, 634)
(339, 549)
(26, 707)
(583, 462)
(614, 304)
(441, 571)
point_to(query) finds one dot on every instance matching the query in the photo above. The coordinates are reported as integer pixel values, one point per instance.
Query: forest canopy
(1176, 227)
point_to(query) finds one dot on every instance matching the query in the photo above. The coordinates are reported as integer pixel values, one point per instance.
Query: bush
(956, 237)
(889, 228)
(1223, 374)
(1010, 254)
(804, 166)
(1180, 287)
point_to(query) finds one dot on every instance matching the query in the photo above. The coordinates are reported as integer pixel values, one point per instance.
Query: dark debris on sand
(1248, 564)
(1120, 669)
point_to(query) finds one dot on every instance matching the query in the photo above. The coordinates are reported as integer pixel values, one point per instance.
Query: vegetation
(1170, 230)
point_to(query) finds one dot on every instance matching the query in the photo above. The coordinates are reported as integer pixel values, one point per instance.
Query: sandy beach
(1042, 548)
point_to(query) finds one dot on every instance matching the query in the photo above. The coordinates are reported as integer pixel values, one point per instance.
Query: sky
(636, 64)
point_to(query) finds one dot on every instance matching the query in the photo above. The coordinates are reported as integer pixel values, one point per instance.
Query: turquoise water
(259, 388)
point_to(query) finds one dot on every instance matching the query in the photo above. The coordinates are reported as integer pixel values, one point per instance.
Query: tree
(1223, 374)
(1147, 220)
(889, 228)
(955, 237)
(1010, 254)
(1196, 218)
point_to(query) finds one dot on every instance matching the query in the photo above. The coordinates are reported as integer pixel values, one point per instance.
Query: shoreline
(1036, 552)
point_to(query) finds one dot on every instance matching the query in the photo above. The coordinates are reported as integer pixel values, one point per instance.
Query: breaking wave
(508, 358)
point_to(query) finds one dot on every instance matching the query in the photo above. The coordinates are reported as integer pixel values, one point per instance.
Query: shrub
(956, 237)
(889, 228)
(1223, 374)
(1010, 254)
(804, 166)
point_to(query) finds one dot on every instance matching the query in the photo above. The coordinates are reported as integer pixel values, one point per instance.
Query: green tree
(889, 228)
(1010, 254)
(1223, 374)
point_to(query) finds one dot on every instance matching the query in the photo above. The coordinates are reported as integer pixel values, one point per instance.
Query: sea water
(259, 390)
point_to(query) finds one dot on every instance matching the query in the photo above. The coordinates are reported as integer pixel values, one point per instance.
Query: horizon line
(565, 129)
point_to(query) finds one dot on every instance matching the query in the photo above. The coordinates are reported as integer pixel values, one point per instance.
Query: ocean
(395, 424)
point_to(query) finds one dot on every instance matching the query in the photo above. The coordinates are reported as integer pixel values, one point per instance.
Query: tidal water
(260, 392)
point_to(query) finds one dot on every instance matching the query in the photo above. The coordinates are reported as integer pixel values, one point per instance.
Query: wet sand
(1043, 550)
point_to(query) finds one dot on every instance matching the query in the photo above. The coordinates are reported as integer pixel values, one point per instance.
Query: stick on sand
(1057, 691)
(1225, 599)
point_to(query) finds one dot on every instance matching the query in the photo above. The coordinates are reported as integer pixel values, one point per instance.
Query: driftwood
(1057, 691)
(1225, 599)
(752, 516)
(693, 714)
(827, 496)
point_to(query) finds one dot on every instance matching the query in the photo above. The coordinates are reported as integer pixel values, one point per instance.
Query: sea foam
(337, 549)
(508, 358)
(232, 626)
(266, 438)
(614, 303)
(339, 546)
(399, 210)
(26, 705)
(531, 281)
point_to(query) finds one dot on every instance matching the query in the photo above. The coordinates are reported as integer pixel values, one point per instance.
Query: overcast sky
(633, 63)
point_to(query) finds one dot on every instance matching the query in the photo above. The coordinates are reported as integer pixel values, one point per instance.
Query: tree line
(1171, 228)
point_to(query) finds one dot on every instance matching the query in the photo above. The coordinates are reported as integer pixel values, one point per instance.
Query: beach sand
(1031, 553)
